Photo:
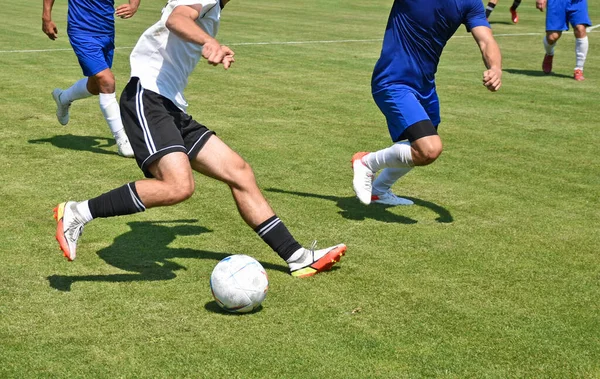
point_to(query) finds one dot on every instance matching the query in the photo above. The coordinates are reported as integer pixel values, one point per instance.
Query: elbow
(170, 23)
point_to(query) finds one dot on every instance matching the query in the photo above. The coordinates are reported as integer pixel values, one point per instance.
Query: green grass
(493, 273)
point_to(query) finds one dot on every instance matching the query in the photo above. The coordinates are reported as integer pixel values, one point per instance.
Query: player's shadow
(537, 73)
(145, 254)
(97, 145)
(352, 209)
(501, 22)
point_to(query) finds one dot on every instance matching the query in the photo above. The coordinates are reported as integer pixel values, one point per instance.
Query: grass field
(494, 272)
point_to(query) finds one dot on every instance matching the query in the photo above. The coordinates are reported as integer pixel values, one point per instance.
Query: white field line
(286, 42)
(592, 28)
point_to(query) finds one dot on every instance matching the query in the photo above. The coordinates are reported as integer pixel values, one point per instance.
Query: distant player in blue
(559, 14)
(403, 87)
(91, 31)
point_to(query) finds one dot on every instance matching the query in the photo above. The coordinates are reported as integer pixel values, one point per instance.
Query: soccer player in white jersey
(169, 144)
(91, 31)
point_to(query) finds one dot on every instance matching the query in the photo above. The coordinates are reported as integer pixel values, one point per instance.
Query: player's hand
(213, 52)
(540, 4)
(125, 11)
(50, 29)
(228, 59)
(492, 79)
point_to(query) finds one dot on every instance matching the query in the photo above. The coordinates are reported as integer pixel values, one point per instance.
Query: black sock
(515, 5)
(278, 237)
(489, 9)
(118, 202)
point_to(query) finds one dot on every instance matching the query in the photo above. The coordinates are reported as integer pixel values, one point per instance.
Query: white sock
(112, 114)
(83, 209)
(398, 155)
(75, 92)
(387, 178)
(549, 48)
(581, 50)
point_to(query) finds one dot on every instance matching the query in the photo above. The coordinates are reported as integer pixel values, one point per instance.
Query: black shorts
(156, 127)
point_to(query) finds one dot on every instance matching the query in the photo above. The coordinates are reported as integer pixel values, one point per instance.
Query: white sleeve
(206, 4)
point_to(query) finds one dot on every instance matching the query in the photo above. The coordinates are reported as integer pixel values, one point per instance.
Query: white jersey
(163, 61)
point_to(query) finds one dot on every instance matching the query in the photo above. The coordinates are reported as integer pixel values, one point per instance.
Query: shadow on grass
(353, 209)
(538, 73)
(80, 143)
(145, 254)
(492, 22)
(213, 307)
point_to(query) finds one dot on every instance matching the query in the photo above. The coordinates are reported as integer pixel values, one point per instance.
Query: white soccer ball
(239, 283)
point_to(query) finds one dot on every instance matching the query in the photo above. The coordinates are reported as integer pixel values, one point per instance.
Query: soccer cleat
(124, 147)
(68, 228)
(317, 260)
(62, 111)
(514, 16)
(389, 198)
(547, 64)
(363, 179)
(578, 75)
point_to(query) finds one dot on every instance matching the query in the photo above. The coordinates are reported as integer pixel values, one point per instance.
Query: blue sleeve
(474, 14)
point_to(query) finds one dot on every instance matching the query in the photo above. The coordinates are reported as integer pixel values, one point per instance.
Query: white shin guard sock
(111, 112)
(581, 50)
(387, 178)
(398, 155)
(549, 48)
(75, 92)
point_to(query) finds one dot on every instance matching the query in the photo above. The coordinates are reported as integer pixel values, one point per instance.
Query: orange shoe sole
(323, 264)
(59, 211)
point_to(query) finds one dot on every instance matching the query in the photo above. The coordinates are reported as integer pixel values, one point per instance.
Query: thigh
(556, 15)
(401, 109)
(218, 161)
(431, 104)
(90, 52)
(149, 124)
(578, 13)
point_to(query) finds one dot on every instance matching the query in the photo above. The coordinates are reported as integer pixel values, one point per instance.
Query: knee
(179, 191)
(580, 31)
(242, 175)
(552, 37)
(105, 81)
(427, 153)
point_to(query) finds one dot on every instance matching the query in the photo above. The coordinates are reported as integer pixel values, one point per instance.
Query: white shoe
(311, 261)
(62, 110)
(68, 228)
(363, 179)
(124, 147)
(389, 198)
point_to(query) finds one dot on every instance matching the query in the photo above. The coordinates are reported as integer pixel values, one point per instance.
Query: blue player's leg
(556, 23)
(579, 18)
(407, 119)
(95, 54)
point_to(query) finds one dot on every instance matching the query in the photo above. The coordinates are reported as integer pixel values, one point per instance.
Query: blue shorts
(560, 13)
(94, 52)
(402, 107)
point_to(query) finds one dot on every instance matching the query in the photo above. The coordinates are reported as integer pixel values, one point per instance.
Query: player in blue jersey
(403, 86)
(91, 31)
(559, 14)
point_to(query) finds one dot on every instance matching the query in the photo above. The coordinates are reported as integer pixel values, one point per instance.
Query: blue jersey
(91, 17)
(415, 36)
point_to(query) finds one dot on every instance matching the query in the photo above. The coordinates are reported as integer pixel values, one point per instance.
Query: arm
(540, 4)
(48, 26)
(492, 77)
(127, 10)
(182, 22)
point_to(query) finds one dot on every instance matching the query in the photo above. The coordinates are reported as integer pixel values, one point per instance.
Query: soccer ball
(239, 283)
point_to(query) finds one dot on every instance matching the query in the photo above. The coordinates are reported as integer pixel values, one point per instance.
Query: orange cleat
(578, 75)
(547, 64)
(514, 16)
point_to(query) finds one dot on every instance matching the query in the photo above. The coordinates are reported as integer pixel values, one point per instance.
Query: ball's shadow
(213, 307)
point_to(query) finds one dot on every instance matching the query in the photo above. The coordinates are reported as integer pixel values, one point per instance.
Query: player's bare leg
(219, 161)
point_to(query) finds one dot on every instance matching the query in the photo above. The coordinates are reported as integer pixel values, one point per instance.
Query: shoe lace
(74, 231)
